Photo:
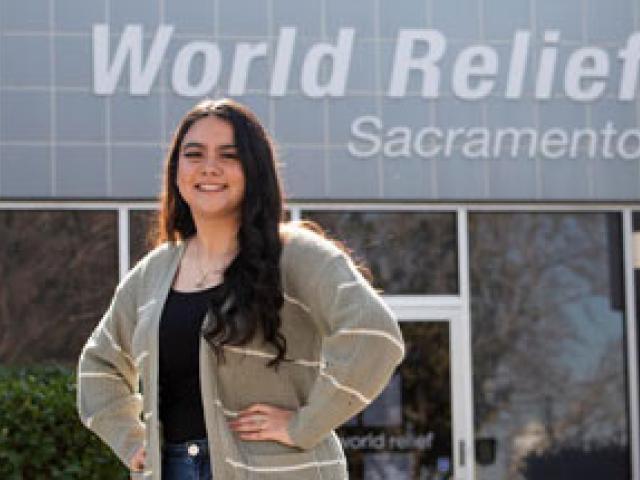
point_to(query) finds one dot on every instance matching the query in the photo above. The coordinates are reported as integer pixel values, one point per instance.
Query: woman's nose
(212, 165)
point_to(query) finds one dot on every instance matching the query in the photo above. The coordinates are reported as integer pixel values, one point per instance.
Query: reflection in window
(405, 433)
(381, 466)
(407, 252)
(61, 269)
(548, 344)
(140, 225)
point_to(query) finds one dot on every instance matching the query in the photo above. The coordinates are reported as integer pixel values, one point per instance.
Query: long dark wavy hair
(251, 294)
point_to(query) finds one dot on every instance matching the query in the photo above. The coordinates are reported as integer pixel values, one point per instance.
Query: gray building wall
(65, 135)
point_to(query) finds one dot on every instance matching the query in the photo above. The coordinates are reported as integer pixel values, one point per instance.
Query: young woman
(253, 338)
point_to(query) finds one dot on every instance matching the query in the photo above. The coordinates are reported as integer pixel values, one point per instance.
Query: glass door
(413, 429)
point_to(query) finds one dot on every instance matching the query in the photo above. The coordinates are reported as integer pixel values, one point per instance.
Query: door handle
(461, 452)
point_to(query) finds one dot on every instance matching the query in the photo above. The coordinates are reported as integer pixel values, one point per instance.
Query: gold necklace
(217, 270)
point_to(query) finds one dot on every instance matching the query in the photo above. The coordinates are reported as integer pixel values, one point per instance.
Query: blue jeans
(186, 461)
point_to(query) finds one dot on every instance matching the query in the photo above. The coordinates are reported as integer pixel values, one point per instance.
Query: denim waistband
(193, 448)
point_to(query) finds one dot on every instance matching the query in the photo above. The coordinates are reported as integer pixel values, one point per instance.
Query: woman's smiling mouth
(210, 187)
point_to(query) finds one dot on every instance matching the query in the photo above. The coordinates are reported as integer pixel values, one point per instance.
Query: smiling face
(210, 176)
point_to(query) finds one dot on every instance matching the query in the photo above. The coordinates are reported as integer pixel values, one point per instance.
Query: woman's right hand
(137, 462)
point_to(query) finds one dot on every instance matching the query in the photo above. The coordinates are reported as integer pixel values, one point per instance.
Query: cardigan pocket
(246, 369)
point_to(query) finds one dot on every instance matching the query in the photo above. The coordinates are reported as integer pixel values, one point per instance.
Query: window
(140, 222)
(548, 345)
(407, 252)
(62, 268)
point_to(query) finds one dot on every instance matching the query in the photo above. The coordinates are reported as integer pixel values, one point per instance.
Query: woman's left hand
(263, 422)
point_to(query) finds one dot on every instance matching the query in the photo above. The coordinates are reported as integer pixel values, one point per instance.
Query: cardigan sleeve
(361, 345)
(108, 398)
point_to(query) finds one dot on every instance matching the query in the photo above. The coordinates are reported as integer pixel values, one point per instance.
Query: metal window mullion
(123, 241)
(450, 207)
(74, 205)
(632, 338)
(295, 213)
(465, 352)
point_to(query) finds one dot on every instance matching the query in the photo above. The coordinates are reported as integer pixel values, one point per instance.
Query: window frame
(462, 210)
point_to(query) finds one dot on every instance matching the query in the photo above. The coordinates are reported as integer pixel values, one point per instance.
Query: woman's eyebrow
(228, 146)
(192, 144)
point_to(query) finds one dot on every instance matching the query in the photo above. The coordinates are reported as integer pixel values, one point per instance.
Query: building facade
(481, 157)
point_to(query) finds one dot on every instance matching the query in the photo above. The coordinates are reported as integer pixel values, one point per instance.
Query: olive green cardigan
(343, 341)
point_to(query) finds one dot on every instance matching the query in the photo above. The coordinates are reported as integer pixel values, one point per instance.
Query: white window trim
(632, 350)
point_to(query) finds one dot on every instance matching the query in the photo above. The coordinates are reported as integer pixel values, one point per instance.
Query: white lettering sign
(473, 74)
(370, 137)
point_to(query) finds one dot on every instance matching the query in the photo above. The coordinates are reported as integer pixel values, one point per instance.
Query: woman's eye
(197, 156)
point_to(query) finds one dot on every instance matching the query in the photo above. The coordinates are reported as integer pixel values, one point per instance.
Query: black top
(181, 411)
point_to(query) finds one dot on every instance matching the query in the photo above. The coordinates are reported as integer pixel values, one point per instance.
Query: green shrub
(41, 436)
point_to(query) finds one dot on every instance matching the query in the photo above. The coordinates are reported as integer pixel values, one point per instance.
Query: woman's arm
(108, 398)
(362, 344)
